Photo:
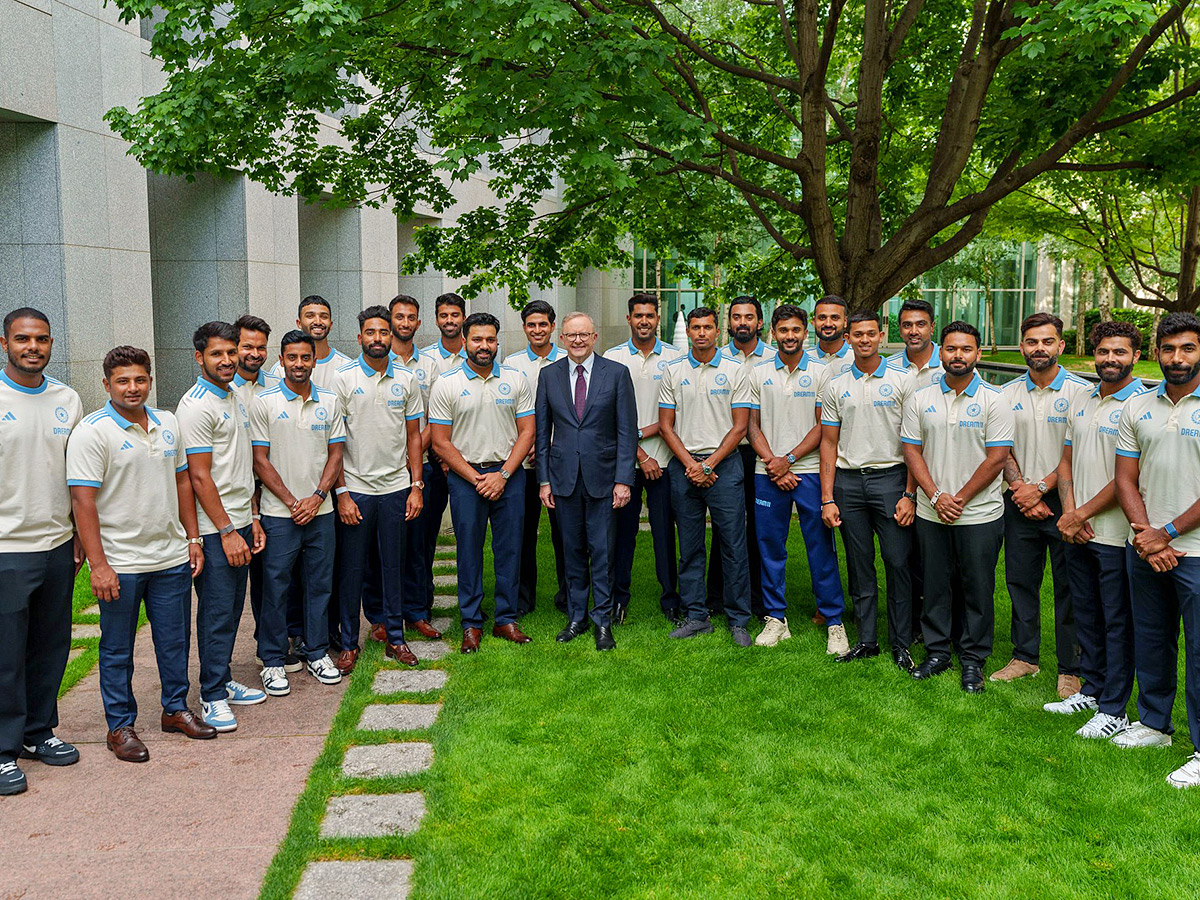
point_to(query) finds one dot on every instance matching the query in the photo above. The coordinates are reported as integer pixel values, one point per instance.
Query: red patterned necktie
(580, 392)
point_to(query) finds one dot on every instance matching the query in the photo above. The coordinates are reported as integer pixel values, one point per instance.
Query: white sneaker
(275, 681)
(324, 670)
(218, 715)
(774, 631)
(1139, 735)
(1187, 775)
(240, 695)
(1102, 726)
(838, 643)
(1073, 704)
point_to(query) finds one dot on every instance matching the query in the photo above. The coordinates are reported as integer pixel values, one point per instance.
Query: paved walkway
(201, 818)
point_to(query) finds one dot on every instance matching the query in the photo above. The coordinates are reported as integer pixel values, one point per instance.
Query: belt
(487, 465)
(699, 457)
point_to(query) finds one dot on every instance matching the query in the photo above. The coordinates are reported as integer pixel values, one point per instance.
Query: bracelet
(256, 517)
(934, 499)
(1170, 529)
(196, 540)
(341, 490)
(827, 502)
(911, 495)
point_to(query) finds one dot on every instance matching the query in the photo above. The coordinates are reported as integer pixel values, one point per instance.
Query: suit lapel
(569, 387)
(593, 386)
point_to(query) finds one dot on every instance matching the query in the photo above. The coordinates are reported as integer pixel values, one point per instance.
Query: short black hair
(866, 315)
(537, 307)
(746, 299)
(960, 327)
(404, 298)
(788, 311)
(24, 312)
(449, 299)
(701, 312)
(125, 356)
(374, 312)
(479, 318)
(637, 299)
(832, 300)
(296, 336)
(314, 300)
(1038, 319)
(1126, 330)
(917, 306)
(1176, 323)
(251, 323)
(209, 330)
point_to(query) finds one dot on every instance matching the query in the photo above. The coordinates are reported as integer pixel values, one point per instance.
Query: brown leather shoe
(346, 661)
(379, 633)
(400, 653)
(818, 619)
(126, 745)
(187, 723)
(423, 628)
(511, 632)
(1069, 686)
(1016, 668)
(471, 638)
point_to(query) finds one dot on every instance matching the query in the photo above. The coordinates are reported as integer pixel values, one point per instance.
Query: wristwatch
(791, 458)
(320, 493)
(196, 540)
(639, 434)
(228, 529)
(911, 495)
(934, 499)
(419, 484)
(706, 469)
(505, 474)
(1043, 487)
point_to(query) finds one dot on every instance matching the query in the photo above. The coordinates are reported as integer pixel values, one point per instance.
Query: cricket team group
(317, 483)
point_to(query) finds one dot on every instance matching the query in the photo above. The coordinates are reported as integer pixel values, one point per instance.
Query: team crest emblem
(721, 378)
(1060, 405)
(1115, 416)
(505, 388)
(1196, 417)
(974, 410)
(937, 379)
(885, 390)
(168, 438)
(420, 374)
(662, 364)
(61, 414)
(322, 413)
(397, 390)
(805, 380)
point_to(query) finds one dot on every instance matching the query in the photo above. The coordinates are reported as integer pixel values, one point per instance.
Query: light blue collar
(20, 387)
(1162, 389)
(1124, 393)
(970, 390)
(803, 364)
(212, 388)
(691, 358)
(314, 392)
(125, 423)
(821, 354)
(634, 351)
(555, 352)
(471, 373)
(1055, 385)
(446, 354)
(935, 359)
(732, 351)
(260, 379)
(859, 373)
(371, 373)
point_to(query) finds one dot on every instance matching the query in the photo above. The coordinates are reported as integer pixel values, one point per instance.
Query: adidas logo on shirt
(1145, 417)
(684, 382)
(359, 390)
(226, 415)
(846, 394)
(9, 417)
(931, 409)
(282, 415)
(465, 393)
(127, 446)
(768, 381)
(1018, 406)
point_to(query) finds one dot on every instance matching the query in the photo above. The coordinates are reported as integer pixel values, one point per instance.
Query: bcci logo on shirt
(505, 388)
(397, 390)
(805, 380)
(1196, 417)
(1060, 405)
(973, 410)
(885, 390)
(721, 379)
(420, 374)
(1115, 416)
(662, 364)
(937, 379)
(61, 414)
(168, 438)
(322, 413)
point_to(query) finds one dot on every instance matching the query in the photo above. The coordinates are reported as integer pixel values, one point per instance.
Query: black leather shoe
(903, 659)
(604, 638)
(972, 678)
(674, 616)
(933, 665)
(859, 651)
(572, 631)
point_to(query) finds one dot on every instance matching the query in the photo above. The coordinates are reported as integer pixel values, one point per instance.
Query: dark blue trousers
(382, 526)
(1103, 623)
(960, 571)
(372, 593)
(221, 596)
(418, 599)
(437, 495)
(725, 501)
(168, 598)
(773, 515)
(312, 547)
(1159, 601)
(589, 533)
(662, 533)
(471, 514)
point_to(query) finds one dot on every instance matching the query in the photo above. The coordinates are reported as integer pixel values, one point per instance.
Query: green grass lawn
(696, 769)
(1144, 368)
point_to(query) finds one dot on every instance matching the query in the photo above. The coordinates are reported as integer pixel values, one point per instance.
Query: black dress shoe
(674, 616)
(933, 665)
(903, 659)
(859, 651)
(604, 638)
(972, 678)
(572, 631)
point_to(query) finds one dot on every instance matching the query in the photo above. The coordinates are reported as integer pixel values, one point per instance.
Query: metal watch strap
(934, 499)
(504, 474)
(320, 493)
(228, 529)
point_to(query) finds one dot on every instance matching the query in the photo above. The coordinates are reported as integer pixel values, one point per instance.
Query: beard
(1041, 363)
(1113, 373)
(1180, 374)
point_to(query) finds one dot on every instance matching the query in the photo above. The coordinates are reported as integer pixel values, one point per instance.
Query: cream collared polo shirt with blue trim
(646, 371)
(704, 396)
(248, 390)
(1164, 438)
(418, 364)
(482, 411)
(530, 365)
(839, 363)
(868, 408)
(1092, 436)
(762, 352)
(377, 407)
(213, 420)
(923, 376)
(297, 433)
(442, 360)
(35, 505)
(1041, 416)
(323, 370)
(955, 432)
(137, 500)
(789, 405)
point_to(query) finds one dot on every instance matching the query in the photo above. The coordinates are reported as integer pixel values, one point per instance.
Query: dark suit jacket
(603, 446)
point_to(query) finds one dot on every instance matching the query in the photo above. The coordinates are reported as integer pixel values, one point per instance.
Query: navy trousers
(589, 534)
(382, 526)
(471, 514)
(662, 534)
(527, 593)
(310, 546)
(437, 495)
(960, 560)
(1103, 623)
(168, 598)
(716, 564)
(221, 596)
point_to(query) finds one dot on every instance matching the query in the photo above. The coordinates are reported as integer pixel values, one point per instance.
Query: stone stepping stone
(414, 681)
(384, 879)
(445, 601)
(643, 526)
(445, 580)
(75, 653)
(429, 650)
(398, 716)
(84, 631)
(441, 623)
(445, 554)
(93, 610)
(373, 815)
(387, 759)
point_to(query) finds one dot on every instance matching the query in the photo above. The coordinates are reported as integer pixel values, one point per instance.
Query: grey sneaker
(741, 636)
(12, 779)
(693, 627)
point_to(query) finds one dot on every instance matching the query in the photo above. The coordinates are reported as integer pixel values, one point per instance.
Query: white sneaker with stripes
(1073, 704)
(1139, 735)
(1102, 726)
(275, 681)
(1187, 775)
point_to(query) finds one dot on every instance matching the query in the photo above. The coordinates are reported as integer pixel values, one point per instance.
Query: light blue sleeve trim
(260, 443)
(997, 443)
(1129, 454)
(666, 406)
(1067, 442)
(912, 441)
(337, 440)
(755, 405)
(830, 422)
(524, 414)
(743, 406)
(411, 418)
(182, 468)
(441, 422)
(190, 450)
(79, 482)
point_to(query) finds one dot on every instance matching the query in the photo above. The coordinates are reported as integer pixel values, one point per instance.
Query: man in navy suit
(587, 434)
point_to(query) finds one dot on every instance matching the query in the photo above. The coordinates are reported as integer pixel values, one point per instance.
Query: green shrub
(1143, 319)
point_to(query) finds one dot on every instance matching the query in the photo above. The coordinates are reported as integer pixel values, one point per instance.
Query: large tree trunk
(1106, 299)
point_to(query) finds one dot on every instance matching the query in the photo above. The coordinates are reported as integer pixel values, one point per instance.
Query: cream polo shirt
(1164, 438)
(418, 363)
(377, 407)
(839, 362)
(530, 365)
(923, 376)
(762, 352)
(35, 505)
(1092, 436)
(248, 390)
(954, 432)
(441, 360)
(647, 374)
(482, 411)
(297, 433)
(704, 396)
(323, 371)
(137, 499)
(789, 405)
(868, 407)
(1041, 416)
(213, 420)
